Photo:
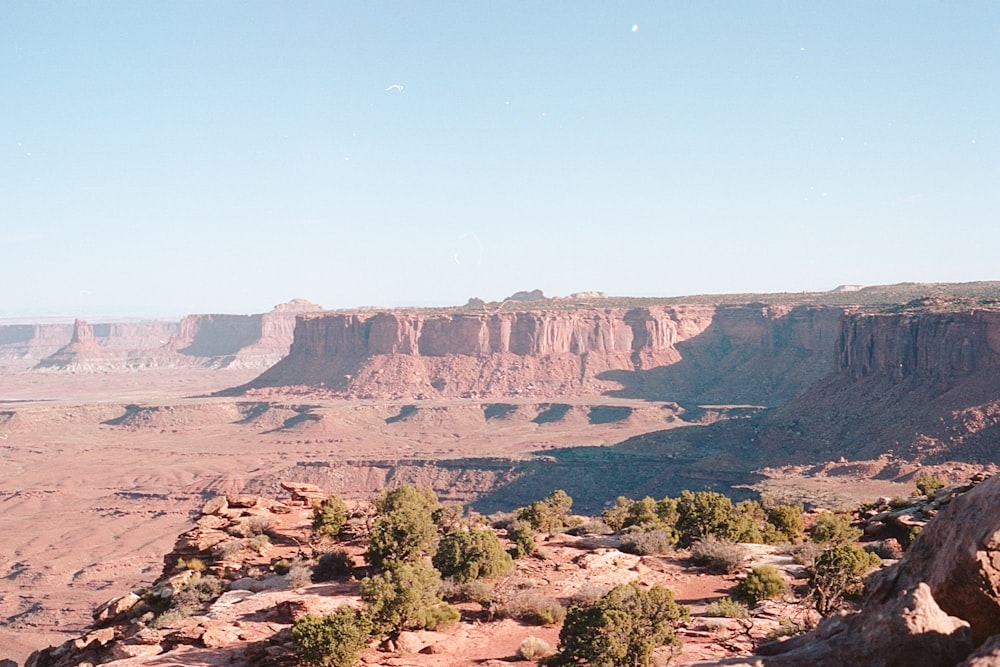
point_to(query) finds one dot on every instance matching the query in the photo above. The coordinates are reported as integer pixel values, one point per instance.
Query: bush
(647, 542)
(721, 556)
(334, 640)
(928, 485)
(298, 575)
(830, 528)
(194, 564)
(465, 555)
(473, 591)
(333, 565)
(838, 573)
(705, 513)
(591, 527)
(405, 530)
(787, 520)
(533, 608)
(533, 648)
(588, 594)
(622, 629)
(787, 628)
(329, 516)
(407, 597)
(189, 599)
(549, 514)
(804, 554)
(523, 537)
(727, 608)
(763, 583)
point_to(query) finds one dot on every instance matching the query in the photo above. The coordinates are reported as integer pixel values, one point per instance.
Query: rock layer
(559, 352)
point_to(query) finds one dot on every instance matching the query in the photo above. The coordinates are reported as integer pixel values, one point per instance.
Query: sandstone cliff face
(921, 345)
(923, 385)
(561, 352)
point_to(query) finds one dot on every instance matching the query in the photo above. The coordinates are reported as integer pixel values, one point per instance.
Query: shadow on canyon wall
(746, 356)
(223, 335)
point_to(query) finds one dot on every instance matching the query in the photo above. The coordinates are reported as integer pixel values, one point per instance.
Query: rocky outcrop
(937, 604)
(908, 629)
(562, 352)
(958, 556)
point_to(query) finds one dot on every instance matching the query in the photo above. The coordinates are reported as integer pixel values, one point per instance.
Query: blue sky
(161, 158)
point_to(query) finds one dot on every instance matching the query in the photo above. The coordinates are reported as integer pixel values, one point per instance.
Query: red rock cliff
(560, 352)
(898, 346)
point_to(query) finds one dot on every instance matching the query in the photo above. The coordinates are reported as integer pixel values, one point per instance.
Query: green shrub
(188, 599)
(334, 640)
(405, 529)
(329, 516)
(718, 555)
(549, 514)
(727, 608)
(928, 485)
(830, 528)
(838, 573)
(333, 565)
(406, 597)
(465, 555)
(787, 520)
(521, 534)
(763, 583)
(622, 629)
(534, 648)
(705, 513)
(616, 515)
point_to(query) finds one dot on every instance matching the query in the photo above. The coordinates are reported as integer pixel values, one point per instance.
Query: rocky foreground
(939, 605)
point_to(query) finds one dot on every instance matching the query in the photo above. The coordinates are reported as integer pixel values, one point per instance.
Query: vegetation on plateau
(422, 557)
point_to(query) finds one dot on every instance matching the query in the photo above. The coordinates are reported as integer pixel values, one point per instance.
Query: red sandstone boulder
(958, 556)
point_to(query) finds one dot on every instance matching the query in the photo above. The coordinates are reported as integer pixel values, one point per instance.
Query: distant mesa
(848, 288)
(297, 306)
(522, 296)
(216, 341)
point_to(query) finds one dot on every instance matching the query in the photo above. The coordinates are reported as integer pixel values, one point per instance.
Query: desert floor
(100, 472)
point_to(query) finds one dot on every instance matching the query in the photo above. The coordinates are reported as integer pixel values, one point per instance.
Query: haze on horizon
(163, 158)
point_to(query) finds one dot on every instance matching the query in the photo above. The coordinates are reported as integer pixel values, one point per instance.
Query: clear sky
(161, 158)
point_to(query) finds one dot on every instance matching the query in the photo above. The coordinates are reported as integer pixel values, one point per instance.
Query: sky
(164, 158)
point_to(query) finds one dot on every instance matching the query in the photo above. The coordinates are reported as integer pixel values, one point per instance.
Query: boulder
(958, 556)
(304, 493)
(909, 629)
(115, 607)
(199, 540)
(242, 500)
(101, 637)
(215, 505)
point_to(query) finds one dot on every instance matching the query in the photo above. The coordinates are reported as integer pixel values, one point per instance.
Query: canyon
(114, 433)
